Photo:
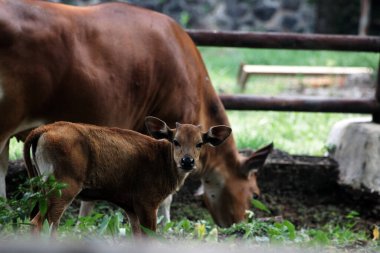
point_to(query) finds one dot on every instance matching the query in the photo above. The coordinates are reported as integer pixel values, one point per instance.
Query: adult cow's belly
(28, 124)
(23, 126)
(12, 110)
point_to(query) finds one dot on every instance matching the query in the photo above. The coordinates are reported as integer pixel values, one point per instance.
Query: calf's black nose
(187, 162)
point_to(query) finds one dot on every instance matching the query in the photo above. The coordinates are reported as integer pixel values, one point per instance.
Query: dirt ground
(301, 189)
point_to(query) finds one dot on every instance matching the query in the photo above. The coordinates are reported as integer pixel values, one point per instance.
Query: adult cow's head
(229, 188)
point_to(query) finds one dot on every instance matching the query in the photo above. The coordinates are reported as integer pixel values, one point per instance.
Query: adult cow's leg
(4, 156)
(164, 209)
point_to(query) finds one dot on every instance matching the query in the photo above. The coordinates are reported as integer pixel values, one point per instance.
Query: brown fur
(111, 65)
(124, 167)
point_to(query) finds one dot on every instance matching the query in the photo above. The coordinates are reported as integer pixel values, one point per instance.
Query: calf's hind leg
(57, 205)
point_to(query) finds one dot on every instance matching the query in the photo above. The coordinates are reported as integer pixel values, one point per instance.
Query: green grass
(15, 149)
(223, 64)
(298, 133)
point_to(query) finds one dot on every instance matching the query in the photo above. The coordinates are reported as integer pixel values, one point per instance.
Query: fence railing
(300, 42)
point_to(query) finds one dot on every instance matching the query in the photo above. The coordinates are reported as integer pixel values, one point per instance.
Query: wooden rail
(298, 42)
(285, 41)
(250, 102)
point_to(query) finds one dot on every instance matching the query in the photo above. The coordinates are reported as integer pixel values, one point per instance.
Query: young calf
(131, 170)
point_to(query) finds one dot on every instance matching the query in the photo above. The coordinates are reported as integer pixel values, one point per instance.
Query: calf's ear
(216, 135)
(158, 128)
(256, 160)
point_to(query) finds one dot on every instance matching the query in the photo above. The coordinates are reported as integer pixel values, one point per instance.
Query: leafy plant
(260, 205)
(281, 231)
(16, 211)
(184, 18)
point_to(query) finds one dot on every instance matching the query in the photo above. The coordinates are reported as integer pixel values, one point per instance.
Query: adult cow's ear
(216, 135)
(158, 128)
(256, 160)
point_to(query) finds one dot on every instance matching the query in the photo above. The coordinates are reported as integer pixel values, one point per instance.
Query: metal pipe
(285, 41)
(249, 102)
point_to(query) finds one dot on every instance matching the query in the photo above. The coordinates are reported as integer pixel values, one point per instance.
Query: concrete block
(355, 145)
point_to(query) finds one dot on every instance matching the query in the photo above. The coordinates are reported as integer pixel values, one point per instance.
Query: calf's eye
(176, 143)
(199, 145)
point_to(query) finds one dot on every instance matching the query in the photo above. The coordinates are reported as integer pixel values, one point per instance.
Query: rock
(288, 22)
(237, 10)
(309, 175)
(292, 5)
(172, 8)
(355, 145)
(241, 15)
(264, 12)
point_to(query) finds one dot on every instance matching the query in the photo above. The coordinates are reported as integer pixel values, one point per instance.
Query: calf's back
(109, 163)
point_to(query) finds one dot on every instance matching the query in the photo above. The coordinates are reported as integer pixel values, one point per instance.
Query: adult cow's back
(112, 65)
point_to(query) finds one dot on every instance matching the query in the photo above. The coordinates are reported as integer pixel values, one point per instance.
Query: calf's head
(187, 140)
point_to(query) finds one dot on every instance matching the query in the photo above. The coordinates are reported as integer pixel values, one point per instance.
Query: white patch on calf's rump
(42, 160)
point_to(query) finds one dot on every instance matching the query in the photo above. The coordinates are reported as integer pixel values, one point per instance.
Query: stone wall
(243, 15)
(342, 17)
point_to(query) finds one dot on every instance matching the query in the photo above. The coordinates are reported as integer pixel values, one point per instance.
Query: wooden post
(376, 115)
(365, 13)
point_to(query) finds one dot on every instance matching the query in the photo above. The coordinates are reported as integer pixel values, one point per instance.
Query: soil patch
(301, 189)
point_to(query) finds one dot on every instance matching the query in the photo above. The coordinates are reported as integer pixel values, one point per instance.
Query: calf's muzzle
(187, 163)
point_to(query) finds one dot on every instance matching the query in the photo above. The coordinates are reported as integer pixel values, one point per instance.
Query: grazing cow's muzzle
(187, 163)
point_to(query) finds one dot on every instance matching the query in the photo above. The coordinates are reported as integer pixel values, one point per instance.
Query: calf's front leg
(148, 217)
(135, 224)
(142, 217)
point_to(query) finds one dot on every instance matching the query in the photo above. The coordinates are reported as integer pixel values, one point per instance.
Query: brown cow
(112, 65)
(131, 170)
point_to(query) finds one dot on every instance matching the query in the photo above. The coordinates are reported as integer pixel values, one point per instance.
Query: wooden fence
(295, 41)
